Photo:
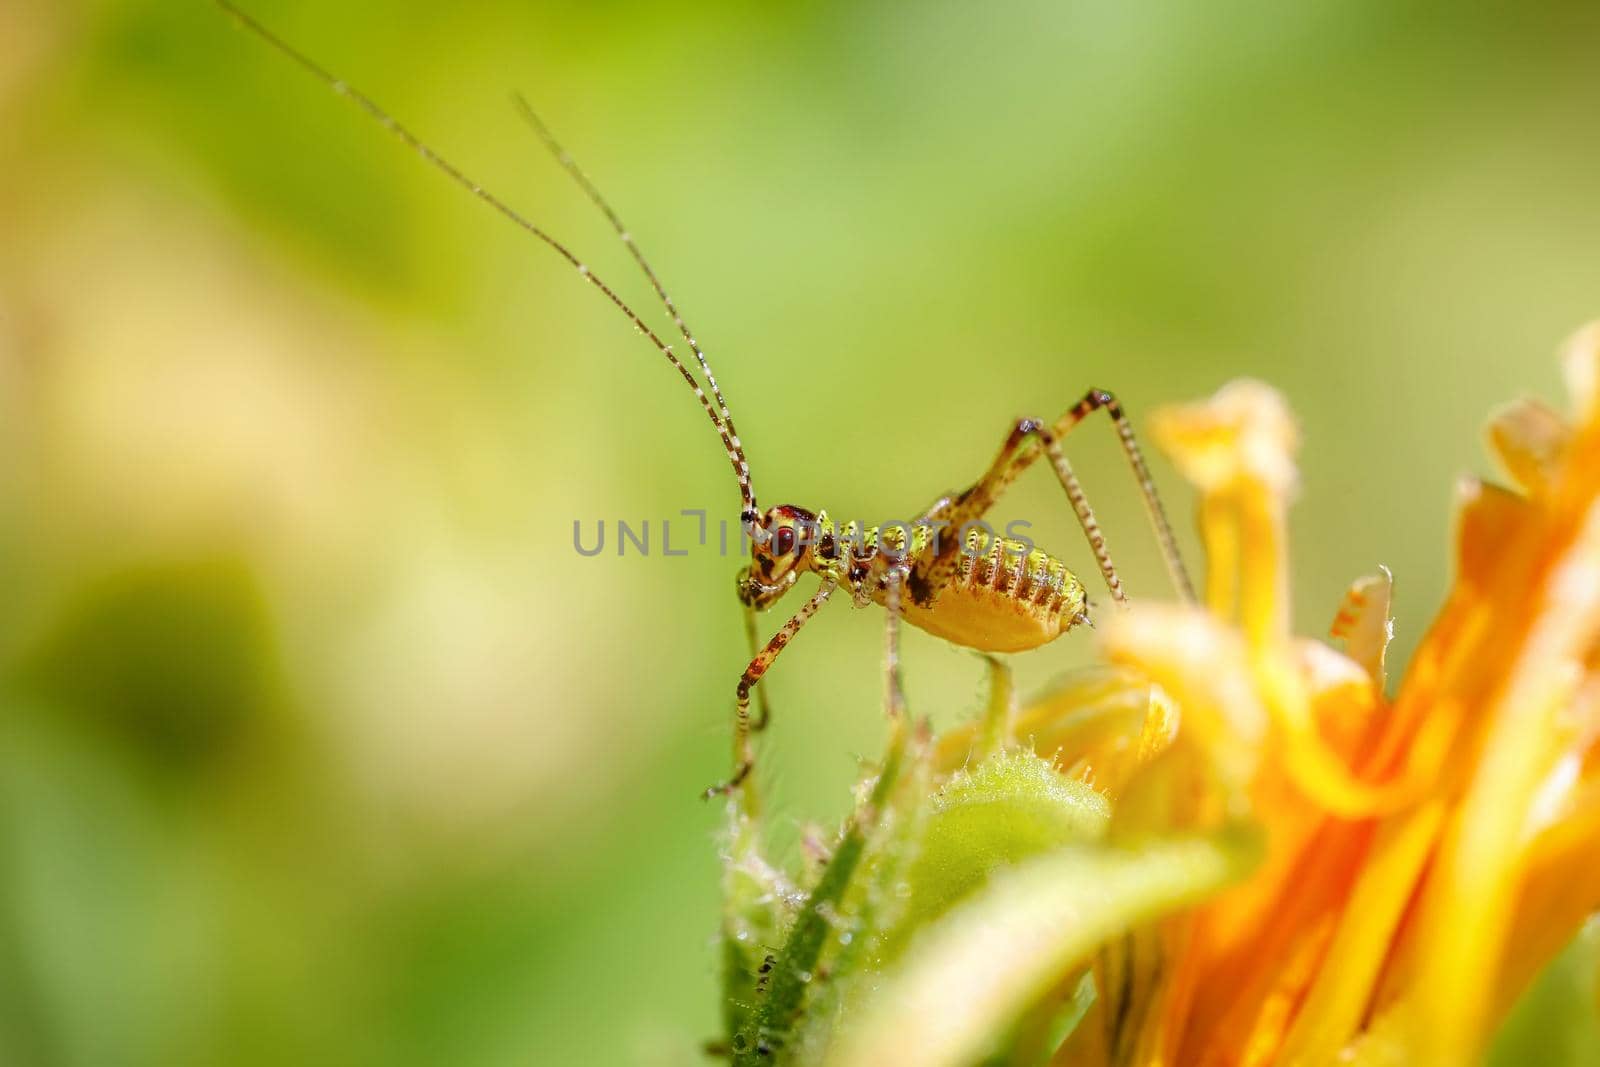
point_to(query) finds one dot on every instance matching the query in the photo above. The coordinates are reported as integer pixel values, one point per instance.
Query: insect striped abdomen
(1004, 599)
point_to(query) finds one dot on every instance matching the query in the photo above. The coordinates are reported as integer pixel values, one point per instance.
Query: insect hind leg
(1025, 442)
(1096, 399)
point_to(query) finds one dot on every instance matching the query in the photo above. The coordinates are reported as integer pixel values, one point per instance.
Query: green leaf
(757, 907)
(789, 974)
(1555, 1022)
(869, 912)
(967, 979)
(1044, 1028)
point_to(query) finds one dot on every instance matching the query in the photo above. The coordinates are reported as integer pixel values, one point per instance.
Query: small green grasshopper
(986, 592)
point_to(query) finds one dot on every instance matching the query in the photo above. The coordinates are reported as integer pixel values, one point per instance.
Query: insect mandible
(973, 588)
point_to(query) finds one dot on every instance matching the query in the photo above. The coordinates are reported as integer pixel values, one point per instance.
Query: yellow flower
(1424, 854)
(1229, 845)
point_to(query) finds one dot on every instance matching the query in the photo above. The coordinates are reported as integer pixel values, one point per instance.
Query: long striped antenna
(598, 199)
(724, 425)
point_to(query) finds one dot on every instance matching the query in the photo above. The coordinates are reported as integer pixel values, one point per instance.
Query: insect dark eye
(783, 541)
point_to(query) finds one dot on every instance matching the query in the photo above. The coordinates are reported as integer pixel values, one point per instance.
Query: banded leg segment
(1027, 440)
(894, 697)
(1154, 511)
(753, 639)
(743, 754)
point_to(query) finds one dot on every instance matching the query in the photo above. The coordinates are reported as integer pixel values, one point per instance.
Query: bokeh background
(319, 742)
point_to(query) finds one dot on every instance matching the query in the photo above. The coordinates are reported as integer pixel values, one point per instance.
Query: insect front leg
(743, 754)
(753, 640)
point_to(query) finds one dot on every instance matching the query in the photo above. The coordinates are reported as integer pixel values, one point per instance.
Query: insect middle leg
(1027, 439)
(894, 699)
(743, 754)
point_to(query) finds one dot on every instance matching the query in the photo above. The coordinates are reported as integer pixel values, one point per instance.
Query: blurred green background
(318, 741)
